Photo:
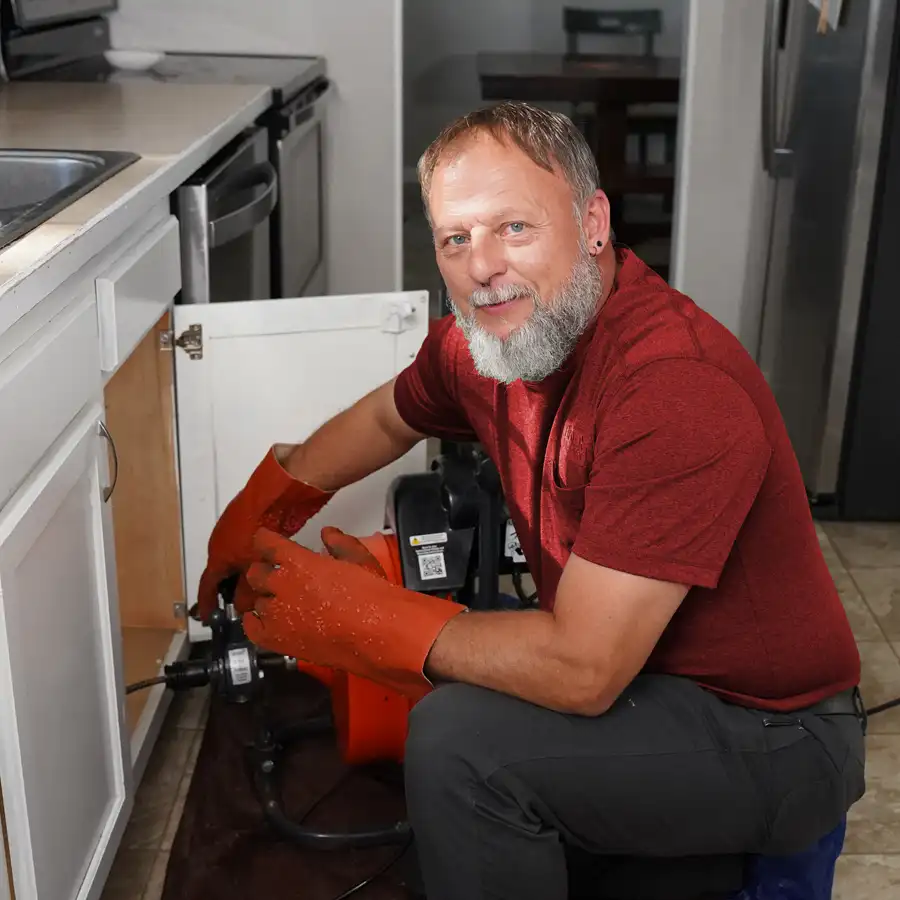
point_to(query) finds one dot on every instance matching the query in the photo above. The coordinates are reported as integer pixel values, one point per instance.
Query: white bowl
(133, 60)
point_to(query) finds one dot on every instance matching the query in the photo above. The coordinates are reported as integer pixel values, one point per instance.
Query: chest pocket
(571, 456)
(565, 507)
(566, 478)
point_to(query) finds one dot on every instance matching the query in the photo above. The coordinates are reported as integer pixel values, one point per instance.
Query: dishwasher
(224, 210)
(288, 195)
(296, 147)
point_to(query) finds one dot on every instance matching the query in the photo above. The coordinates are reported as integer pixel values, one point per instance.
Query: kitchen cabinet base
(144, 651)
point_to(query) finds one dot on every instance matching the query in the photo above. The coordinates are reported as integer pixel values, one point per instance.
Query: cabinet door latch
(190, 340)
(400, 317)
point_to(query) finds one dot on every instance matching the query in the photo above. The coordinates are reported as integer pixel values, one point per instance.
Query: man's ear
(596, 221)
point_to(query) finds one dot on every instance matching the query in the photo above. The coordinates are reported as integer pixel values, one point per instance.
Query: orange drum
(370, 720)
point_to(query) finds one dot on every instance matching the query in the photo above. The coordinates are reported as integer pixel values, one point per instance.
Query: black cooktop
(286, 75)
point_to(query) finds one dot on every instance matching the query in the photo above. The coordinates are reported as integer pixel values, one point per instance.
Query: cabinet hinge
(400, 317)
(180, 610)
(190, 340)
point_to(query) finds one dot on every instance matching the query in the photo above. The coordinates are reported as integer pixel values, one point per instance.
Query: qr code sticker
(432, 565)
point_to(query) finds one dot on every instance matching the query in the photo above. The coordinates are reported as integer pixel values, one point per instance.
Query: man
(687, 685)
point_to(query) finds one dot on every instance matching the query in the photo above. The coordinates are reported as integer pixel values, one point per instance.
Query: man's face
(514, 257)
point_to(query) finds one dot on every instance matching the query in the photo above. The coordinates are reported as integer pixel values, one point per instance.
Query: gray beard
(541, 345)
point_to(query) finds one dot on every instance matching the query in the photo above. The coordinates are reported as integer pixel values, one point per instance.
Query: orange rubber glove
(350, 549)
(273, 499)
(334, 612)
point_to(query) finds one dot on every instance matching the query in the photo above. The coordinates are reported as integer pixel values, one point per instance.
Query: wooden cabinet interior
(146, 512)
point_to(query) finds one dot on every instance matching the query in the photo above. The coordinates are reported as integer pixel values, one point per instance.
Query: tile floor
(865, 562)
(139, 870)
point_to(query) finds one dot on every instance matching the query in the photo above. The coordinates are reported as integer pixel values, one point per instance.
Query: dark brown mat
(224, 848)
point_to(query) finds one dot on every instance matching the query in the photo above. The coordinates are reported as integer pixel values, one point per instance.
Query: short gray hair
(549, 139)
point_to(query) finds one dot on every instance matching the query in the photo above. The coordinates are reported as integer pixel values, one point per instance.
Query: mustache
(503, 294)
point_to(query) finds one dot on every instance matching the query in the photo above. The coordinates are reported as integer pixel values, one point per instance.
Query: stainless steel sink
(36, 184)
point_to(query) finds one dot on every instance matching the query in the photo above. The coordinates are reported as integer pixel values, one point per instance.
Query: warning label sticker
(420, 540)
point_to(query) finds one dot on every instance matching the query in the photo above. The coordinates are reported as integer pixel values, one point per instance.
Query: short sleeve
(425, 393)
(679, 459)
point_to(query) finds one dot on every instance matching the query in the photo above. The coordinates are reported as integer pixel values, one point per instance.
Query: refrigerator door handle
(776, 160)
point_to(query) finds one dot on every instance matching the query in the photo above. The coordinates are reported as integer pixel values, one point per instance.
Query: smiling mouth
(499, 306)
(495, 308)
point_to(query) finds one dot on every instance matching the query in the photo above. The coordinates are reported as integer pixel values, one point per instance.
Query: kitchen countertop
(174, 127)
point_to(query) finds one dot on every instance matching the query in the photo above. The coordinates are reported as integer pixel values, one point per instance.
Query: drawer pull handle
(107, 492)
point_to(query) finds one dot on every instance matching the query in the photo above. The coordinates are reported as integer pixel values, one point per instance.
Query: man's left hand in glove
(576, 658)
(342, 614)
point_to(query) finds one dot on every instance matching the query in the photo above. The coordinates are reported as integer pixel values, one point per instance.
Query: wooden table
(611, 83)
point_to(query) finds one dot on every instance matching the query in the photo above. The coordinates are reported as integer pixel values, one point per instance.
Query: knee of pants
(445, 742)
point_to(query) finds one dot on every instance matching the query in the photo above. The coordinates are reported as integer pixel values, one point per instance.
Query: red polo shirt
(659, 450)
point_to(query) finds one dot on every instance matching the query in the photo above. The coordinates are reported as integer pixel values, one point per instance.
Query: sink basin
(36, 184)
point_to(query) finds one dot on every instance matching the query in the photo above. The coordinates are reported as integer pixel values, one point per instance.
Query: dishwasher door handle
(232, 225)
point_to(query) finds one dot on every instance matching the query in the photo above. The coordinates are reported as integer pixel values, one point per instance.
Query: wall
(441, 40)
(723, 200)
(362, 44)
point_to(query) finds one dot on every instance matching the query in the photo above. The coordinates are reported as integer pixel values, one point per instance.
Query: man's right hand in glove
(273, 499)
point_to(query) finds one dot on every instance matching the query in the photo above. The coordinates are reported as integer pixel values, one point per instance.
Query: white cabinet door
(272, 371)
(66, 785)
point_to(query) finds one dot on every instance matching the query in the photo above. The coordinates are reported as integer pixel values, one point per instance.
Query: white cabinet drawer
(43, 387)
(136, 291)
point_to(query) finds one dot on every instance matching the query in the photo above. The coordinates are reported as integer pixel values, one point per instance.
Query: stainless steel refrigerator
(830, 329)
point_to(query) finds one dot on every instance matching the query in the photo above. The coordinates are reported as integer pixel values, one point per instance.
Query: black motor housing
(435, 557)
(452, 528)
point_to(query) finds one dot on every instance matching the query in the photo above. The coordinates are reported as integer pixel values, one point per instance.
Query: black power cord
(146, 683)
(882, 707)
(526, 600)
(378, 873)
